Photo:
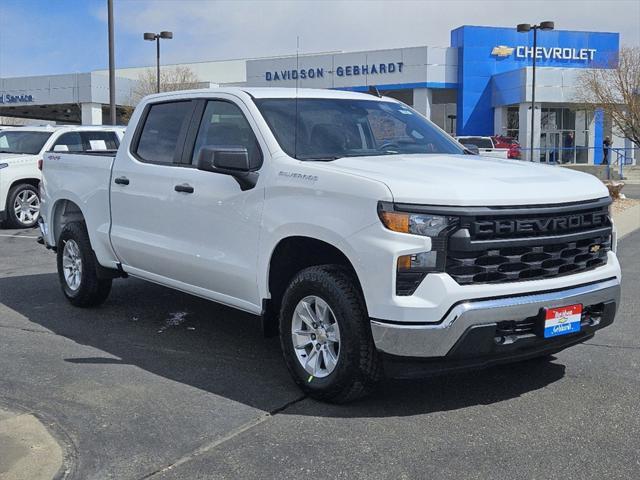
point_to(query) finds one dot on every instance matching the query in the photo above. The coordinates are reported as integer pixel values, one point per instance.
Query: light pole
(112, 68)
(525, 28)
(452, 118)
(157, 36)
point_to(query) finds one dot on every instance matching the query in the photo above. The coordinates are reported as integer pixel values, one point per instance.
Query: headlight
(412, 268)
(424, 224)
(415, 223)
(3, 165)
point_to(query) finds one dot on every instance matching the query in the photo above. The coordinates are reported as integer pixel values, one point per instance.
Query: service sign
(6, 98)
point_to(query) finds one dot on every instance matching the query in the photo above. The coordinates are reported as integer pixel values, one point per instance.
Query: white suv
(21, 148)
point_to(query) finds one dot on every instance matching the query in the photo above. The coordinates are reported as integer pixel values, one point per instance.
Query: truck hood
(468, 180)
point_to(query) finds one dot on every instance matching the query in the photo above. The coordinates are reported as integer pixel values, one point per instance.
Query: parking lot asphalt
(631, 190)
(159, 384)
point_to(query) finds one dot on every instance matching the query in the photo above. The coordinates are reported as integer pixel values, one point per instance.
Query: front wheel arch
(290, 256)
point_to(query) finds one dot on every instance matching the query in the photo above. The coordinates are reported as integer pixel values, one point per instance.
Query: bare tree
(616, 90)
(171, 79)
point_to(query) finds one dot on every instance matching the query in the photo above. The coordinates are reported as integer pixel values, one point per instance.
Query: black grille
(531, 262)
(496, 245)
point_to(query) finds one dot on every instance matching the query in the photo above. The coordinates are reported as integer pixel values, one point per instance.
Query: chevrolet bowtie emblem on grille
(594, 248)
(502, 51)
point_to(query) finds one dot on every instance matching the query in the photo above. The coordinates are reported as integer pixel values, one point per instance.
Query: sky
(42, 37)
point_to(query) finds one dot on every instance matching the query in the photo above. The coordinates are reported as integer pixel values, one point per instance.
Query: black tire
(359, 367)
(92, 291)
(12, 219)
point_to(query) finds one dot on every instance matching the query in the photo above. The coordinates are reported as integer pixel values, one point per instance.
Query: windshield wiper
(327, 158)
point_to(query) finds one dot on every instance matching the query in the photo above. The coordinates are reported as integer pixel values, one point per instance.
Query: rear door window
(69, 142)
(96, 141)
(162, 135)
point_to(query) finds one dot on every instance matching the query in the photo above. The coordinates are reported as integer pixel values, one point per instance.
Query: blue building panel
(487, 51)
(598, 133)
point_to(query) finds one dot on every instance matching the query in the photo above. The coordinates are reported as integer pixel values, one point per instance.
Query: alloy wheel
(315, 334)
(26, 207)
(72, 265)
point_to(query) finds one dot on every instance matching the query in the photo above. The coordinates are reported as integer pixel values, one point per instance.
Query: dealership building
(478, 85)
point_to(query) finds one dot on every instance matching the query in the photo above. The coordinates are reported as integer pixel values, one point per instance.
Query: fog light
(412, 269)
(418, 261)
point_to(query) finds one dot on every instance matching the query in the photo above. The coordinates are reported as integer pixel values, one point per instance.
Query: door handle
(122, 181)
(183, 188)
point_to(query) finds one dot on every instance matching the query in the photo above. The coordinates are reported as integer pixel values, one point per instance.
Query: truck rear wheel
(77, 268)
(326, 337)
(23, 206)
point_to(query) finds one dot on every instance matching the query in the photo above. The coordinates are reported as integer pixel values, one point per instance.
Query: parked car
(364, 235)
(501, 141)
(489, 147)
(510, 143)
(22, 148)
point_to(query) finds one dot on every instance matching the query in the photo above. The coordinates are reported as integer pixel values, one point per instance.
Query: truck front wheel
(326, 337)
(77, 268)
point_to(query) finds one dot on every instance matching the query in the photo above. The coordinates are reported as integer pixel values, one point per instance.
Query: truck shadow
(219, 350)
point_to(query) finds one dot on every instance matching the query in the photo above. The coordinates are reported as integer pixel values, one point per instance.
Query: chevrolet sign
(546, 53)
(556, 53)
(502, 51)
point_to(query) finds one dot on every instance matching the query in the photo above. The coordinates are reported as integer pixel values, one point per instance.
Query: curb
(28, 451)
(627, 221)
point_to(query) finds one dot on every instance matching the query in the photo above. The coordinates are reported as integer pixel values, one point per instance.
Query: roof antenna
(373, 90)
(295, 128)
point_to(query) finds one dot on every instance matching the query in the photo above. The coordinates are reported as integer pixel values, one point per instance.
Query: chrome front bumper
(437, 339)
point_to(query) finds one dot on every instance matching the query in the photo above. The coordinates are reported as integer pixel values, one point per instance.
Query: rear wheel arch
(64, 212)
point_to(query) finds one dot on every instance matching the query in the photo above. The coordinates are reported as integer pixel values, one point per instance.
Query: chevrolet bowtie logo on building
(502, 51)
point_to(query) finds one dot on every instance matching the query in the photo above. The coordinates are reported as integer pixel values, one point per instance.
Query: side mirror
(472, 148)
(228, 160)
(61, 148)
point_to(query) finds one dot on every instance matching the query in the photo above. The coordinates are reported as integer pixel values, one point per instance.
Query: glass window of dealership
(478, 85)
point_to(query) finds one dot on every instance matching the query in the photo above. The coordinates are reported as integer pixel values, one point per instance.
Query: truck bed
(84, 179)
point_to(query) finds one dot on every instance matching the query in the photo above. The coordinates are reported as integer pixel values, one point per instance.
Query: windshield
(333, 128)
(14, 141)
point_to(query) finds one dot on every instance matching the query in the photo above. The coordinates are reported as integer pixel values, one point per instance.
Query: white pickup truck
(362, 233)
(22, 148)
(487, 147)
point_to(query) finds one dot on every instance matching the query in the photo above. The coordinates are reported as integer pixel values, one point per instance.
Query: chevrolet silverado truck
(21, 150)
(366, 237)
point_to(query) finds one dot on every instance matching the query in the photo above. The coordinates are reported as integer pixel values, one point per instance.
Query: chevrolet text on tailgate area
(367, 238)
